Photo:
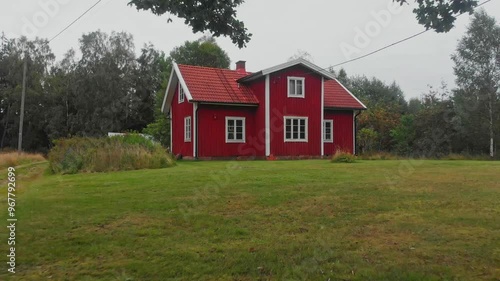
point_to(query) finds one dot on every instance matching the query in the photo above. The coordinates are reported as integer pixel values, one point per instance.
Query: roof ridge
(206, 67)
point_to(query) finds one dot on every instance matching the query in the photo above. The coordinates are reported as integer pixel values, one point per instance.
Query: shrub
(341, 156)
(129, 152)
(11, 159)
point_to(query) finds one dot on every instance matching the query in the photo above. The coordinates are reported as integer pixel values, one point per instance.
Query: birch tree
(477, 70)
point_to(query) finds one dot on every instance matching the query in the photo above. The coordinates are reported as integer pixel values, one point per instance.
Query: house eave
(344, 108)
(227, 103)
(175, 76)
(299, 61)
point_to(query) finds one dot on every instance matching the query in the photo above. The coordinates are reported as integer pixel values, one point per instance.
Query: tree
(414, 106)
(404, 135)
(148, 78)
(385, 104)
(433, 126)
(39, 59)
(202, 52)
(301, 54)
(104, 76)
(477, 71)
(440, 15)
(218, 17)
(375, 92)
(367, 138)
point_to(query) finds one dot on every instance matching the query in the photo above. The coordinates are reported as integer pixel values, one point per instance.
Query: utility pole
(20, 139)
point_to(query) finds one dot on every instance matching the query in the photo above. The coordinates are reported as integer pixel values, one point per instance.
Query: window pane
(239, 136)
(230, 129)
(239, 129)
(328, 130)
(302, 135)
(299, 87)
(288, 122)
(291, 87)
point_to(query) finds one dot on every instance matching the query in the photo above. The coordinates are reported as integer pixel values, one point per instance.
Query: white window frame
(285, 118)
(188, 129)
(328, 121)
(182, 95)
(292, 78)
(234, 140)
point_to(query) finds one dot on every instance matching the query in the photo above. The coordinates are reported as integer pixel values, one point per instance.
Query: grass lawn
(282, 220)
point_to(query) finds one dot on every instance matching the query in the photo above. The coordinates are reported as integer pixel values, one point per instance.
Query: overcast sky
(330, 31)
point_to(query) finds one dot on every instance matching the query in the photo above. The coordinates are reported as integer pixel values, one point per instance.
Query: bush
(12, 159)
(118, 153)
(341, 156)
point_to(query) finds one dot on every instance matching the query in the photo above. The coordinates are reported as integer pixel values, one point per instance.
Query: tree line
(108, 87)
(463, 120)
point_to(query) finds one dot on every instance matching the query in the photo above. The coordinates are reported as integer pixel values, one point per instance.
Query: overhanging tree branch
(218, 17)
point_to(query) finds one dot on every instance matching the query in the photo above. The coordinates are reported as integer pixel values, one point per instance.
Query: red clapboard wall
(309, 106)
(343, 131)
(179, 111)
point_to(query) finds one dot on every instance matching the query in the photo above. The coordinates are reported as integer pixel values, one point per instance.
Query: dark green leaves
(440, 15)
(218, 17)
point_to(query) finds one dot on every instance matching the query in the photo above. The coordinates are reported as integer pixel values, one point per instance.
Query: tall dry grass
(12, 158)
(130, 152)
(342, 156)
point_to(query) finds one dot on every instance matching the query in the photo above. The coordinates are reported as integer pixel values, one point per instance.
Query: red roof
(207, 84)
(216, 85)
(336, 96)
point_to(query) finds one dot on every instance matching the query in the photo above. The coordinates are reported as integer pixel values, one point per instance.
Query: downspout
(356, 130)
(196, 131)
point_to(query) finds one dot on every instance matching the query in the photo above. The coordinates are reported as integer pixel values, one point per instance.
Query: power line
(393, 44)
(73, 22)
(381, 49)
(21, 121)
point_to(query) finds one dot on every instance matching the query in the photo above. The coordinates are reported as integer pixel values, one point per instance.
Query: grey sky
(323, 28)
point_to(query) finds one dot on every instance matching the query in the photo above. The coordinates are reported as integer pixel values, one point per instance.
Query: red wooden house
(295, 109)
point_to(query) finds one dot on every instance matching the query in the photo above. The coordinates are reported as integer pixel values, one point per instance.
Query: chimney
(240, 67)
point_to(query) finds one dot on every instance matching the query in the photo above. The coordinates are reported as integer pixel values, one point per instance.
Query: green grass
(279, 220)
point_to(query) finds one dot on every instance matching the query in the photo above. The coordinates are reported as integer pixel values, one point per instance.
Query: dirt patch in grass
(128, 222)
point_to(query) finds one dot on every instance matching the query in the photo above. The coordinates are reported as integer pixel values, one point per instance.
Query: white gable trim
(175, 76)
(322, 116)
(267, 121)
(194, 130)
(350, 93)
(302, 61)
(164, 104)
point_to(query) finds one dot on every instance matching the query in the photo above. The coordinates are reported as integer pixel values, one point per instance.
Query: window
(181, 94)
(328, 131)
(187, 129)
(296, 87)
(235, 129)
(296, 129)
